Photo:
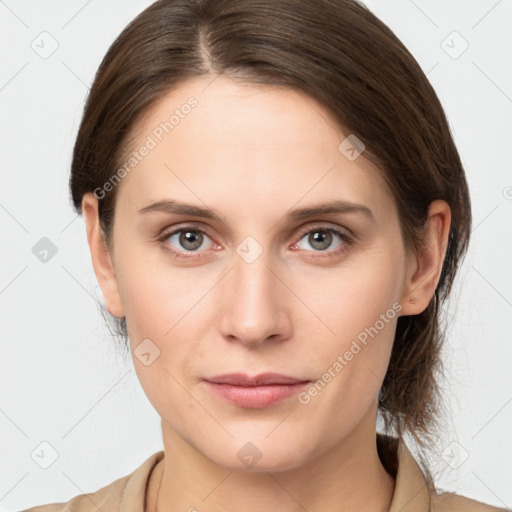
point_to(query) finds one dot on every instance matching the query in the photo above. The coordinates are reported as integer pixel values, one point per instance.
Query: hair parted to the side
(341, 55)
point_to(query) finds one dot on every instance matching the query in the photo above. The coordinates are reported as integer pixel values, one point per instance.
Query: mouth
(254, 392)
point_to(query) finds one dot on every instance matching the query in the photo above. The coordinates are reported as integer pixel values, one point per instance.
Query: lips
(254, 392)
(263, 379)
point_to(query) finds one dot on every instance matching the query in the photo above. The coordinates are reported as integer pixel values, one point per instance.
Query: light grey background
(62, 381)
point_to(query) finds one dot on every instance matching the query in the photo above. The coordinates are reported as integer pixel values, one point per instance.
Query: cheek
(158, 298)
(160, 307)
(351, 297)
(358, 308)
(169, 306)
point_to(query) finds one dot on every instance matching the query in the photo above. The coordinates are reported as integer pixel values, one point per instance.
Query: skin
(252, 153)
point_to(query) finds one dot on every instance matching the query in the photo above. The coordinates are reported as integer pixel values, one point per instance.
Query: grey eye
(187, 239)
(320, 239)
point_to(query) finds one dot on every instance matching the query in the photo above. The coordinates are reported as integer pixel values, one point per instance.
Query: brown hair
(338, 53)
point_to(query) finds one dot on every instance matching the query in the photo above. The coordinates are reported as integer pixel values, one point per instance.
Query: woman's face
(253, 282)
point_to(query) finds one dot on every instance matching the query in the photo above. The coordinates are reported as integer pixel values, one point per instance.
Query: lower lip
(255, 397)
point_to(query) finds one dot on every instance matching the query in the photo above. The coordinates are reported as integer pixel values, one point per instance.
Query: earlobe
(424, 268)
(100, 256)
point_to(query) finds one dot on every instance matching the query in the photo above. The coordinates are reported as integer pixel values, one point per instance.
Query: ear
(424, 268)
(100, 255)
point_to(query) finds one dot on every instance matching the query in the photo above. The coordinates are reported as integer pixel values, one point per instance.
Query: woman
(276, 211)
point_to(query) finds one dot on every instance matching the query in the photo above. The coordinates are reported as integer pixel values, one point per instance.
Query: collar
(411, 491)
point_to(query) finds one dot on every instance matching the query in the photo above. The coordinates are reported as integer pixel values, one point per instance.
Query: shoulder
(415, 490)
(108, 497)
(124, 493)
(451, 502)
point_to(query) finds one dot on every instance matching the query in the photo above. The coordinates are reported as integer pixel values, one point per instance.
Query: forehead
(223, 140)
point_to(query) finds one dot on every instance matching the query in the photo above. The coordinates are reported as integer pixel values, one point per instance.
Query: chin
(257, 456)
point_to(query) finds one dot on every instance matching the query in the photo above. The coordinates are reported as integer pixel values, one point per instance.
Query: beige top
(128, 494)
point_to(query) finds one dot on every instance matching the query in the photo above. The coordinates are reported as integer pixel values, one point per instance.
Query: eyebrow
(331, 207)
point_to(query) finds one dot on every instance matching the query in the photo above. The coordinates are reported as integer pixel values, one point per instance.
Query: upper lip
(262, 379)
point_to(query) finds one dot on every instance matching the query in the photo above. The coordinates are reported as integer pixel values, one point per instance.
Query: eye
(186, 240)
(321, 239)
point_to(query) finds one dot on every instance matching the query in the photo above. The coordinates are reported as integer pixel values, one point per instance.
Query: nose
(253, 309)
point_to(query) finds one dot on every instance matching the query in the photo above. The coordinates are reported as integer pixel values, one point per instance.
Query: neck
(348, 477)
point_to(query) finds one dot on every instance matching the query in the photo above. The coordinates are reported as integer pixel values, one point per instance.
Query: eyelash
(347, 241)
